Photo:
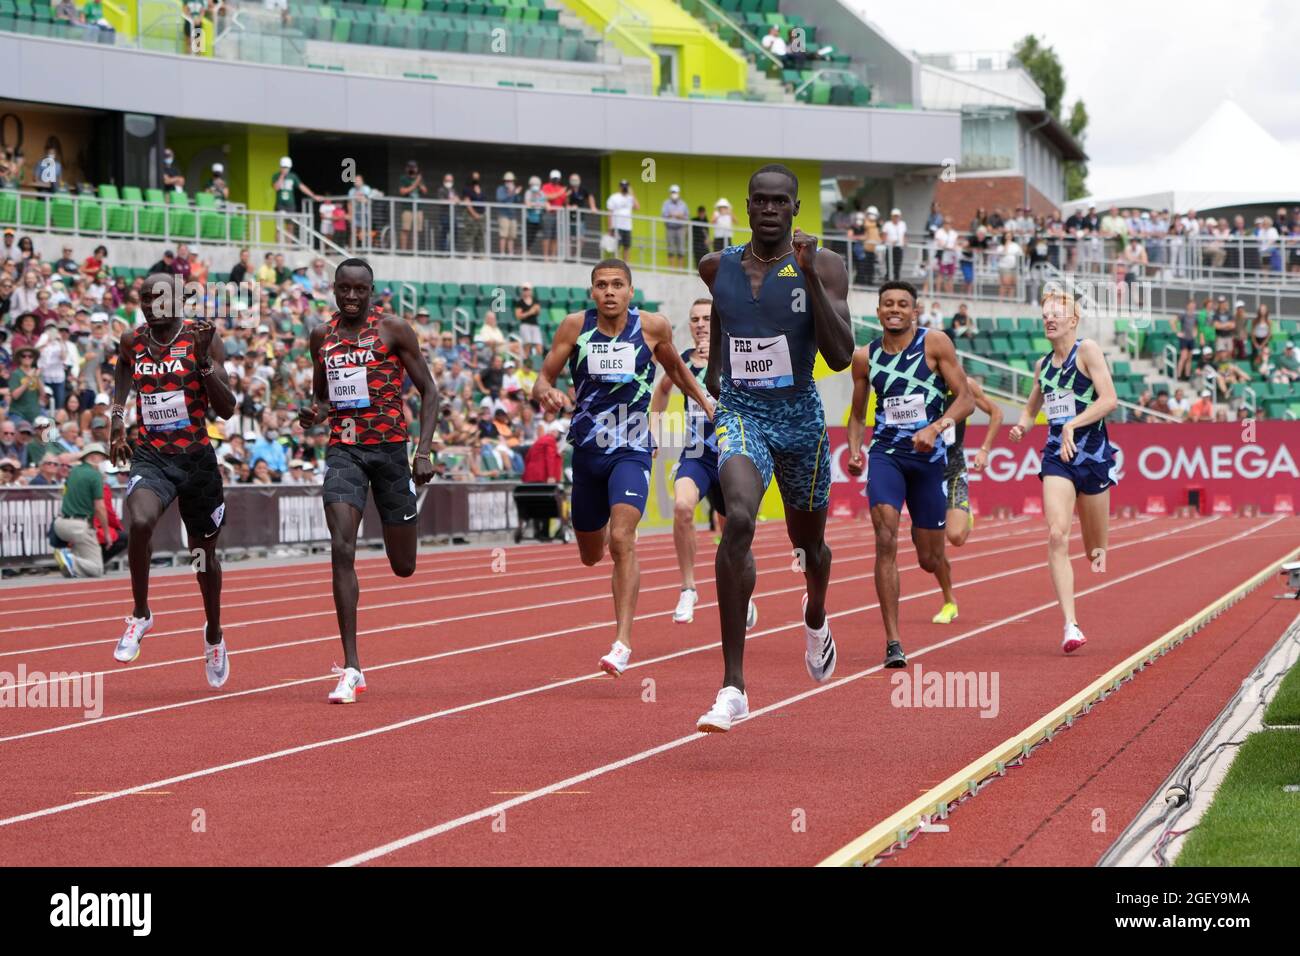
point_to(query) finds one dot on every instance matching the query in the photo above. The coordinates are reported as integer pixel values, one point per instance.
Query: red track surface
(488, 736)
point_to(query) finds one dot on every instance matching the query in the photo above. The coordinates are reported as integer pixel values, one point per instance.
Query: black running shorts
(351, 470)
(192, 476)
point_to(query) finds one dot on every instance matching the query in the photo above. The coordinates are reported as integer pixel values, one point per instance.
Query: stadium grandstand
(482, 157)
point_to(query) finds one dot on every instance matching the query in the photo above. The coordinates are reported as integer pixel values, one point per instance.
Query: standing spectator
(56, 358)
(582, 213)
(171, 173)
(1188, 340)
(700, 234)
(722, 225)
(1009, 256)
(447, 197)
(527, 313)
(83, 503)
(240, 271)
(678, 214)
(287, 185)
(620, 206)
(359, 212)
(217, 185)
(895, 234)
(945, 245)
(326, 210)
(1225, 327)
(534, 207)
(411, 186)
(1261, 329)
(556, 197)
(507, 195)
(857, 237)
(476, 213)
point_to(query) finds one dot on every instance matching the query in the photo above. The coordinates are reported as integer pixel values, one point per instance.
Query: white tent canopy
(1230, 160)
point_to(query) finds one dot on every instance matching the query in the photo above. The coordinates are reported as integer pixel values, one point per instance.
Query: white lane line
(424, 718)
(562, 632)
(577, 779)
(189, 592)
(599, 576)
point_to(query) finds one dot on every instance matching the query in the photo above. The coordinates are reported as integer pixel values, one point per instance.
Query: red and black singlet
(171, 402)
(363, 384)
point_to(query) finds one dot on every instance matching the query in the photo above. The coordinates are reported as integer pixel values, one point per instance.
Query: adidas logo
(787, 270)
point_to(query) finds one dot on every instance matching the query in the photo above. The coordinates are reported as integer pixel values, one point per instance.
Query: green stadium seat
(181, 220)
(1006, 325)
(62, 212)
(32, 211)
(9, 208)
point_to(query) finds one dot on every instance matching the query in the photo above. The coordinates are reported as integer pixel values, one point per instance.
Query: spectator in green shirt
(286, 185)
(26, 393)
(83, 503)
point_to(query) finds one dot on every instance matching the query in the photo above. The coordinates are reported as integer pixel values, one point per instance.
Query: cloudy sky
(1149, 71)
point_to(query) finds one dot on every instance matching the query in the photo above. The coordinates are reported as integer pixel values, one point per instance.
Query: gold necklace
(755, 255)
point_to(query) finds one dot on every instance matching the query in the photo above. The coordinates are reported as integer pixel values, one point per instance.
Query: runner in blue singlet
(611, 352)
(911, 370)
(1072, 385)
(777, 301)
(695, 476)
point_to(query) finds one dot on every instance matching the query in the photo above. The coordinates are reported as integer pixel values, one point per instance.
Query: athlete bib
(611, 361)
(1060, 406)
(905, 410)
(347, 386)
(164, 411)
(761, 363)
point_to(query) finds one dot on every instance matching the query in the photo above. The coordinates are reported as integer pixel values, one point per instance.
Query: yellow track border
(934, 803)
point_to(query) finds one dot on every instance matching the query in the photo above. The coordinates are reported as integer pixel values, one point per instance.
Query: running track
(489, 737)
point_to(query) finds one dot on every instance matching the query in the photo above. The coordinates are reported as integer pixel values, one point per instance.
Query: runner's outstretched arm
(209, 353)
(566, 337)
(858, 409)
(709, 272)
(658, 333)
(827, 281)
(408, 351)
(118, 450)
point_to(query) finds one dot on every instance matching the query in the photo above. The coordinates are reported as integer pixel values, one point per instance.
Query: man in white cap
(895, 233)
(83, 503)
(677, 214)
(508, 195)
(287, 184)
(620, 206)
(583, 214)
(217, 184)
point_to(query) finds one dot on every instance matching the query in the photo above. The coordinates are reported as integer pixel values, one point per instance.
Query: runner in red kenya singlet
(360, 359)
(175, 366)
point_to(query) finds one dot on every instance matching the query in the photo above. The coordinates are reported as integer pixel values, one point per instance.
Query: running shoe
(751, 618)
(63, 558)
(819, 648)
(685, 612)
(128, 648)
(894, 656)
(731, 706)
(1074, 638)
(215, 662)
(615, 662)
(947, 614)
(351, 682)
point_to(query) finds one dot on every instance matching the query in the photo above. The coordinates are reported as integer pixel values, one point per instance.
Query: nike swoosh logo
(913, 355)
(631, 494)
(408, 517)
(767, 346)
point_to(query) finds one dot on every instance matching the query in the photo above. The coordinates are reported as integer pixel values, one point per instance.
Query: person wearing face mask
(621, 205)
(534, 206)
(582, 203)
(411, 186)
(556, 198)
(447, 194)
(171, 173)
(508, 195)
(269, 449)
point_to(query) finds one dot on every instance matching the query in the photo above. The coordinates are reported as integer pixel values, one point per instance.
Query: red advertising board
(1244, 462)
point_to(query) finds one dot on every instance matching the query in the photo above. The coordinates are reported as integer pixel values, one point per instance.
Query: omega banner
(263, 516)
(1223, 466)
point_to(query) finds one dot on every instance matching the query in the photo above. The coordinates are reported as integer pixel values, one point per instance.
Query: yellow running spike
(947, 615)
